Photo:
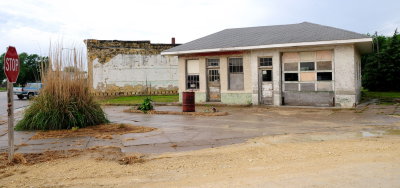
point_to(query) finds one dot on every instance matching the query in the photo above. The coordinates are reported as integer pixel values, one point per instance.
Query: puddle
(380, 133)
(372, 133)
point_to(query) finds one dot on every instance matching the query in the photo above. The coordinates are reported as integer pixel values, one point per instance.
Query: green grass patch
(140, 99)
(3, 89)
(385, 98)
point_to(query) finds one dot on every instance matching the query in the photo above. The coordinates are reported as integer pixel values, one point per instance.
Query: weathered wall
(127, 66)
(345, 83)
(344, 87)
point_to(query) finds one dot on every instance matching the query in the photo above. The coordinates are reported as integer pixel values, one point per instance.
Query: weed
(146, 105)
(74, 128)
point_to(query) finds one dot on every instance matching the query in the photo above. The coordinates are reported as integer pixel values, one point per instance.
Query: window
(324, 76)
(235, 65)
(192, 76)
(212, 62)
(307, 66)
(192, 82)
(213, 75)
(291, 86)
(291, 77)
(266, 75)
(291, 66)
(324, 65)
(265, 61)
(307, 87)
(236, 74)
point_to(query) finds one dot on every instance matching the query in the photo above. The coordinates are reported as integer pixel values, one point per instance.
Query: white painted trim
(332, 42)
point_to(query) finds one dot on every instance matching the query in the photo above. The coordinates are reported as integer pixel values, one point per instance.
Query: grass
(139, 99)
(3, 89)
(384, 97)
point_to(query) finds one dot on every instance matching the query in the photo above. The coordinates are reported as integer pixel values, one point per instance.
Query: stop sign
(11, 64)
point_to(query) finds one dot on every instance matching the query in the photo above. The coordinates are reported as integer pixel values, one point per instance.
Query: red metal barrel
(188, 102)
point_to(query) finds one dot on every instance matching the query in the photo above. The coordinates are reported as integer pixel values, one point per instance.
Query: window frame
(316, 71)
(187, 82)
(229, 72)
(212, 66)
(265, 66)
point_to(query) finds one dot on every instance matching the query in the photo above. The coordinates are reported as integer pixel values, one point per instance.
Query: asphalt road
(17, 103)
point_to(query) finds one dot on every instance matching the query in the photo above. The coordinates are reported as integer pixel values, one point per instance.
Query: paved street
(17, 103)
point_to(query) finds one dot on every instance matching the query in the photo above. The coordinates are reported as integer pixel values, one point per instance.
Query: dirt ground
(99, 131)
(300, 160)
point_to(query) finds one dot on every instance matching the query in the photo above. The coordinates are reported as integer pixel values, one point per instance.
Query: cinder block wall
(126, 66)
(347, 87)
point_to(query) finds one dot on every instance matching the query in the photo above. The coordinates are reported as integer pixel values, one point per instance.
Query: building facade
(130, 66)
(292, 68)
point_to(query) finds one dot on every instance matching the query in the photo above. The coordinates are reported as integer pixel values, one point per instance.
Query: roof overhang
(364, 45)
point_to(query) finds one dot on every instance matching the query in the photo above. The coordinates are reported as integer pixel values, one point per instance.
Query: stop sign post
(11, 69)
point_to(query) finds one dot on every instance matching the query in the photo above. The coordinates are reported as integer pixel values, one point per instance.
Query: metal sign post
(11, 69)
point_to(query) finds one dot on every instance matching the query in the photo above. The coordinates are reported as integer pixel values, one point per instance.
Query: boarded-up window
(324, 65)
(307, 87)
(291, 66)
(324, 86)
(307, 76)
(193, 66)
(291, 86)
(236, 74)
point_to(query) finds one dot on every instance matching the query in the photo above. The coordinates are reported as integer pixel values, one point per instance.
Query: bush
(146, 105)
(64, 101)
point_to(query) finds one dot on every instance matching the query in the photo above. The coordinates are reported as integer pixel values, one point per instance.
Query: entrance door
(265, 86)
(214, 85)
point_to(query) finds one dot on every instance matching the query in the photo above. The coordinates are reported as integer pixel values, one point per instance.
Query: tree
(381, 69)
(30, 66)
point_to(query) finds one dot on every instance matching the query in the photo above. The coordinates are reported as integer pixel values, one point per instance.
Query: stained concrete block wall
(124, 66)
(227, 96)
(345, 83)
(135, 70)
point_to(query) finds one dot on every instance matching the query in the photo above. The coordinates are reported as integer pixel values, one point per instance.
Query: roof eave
(331, 42)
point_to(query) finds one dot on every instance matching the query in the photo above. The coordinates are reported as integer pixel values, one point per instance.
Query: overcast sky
(31, 24)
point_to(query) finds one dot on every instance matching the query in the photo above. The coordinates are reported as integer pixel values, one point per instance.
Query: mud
(99, 131)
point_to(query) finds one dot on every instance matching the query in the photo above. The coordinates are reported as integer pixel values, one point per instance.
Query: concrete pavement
(182, 132)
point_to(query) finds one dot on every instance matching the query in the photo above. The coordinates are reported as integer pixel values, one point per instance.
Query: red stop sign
(11, 64)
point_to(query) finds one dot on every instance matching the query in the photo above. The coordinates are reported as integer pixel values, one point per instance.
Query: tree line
(381, 68)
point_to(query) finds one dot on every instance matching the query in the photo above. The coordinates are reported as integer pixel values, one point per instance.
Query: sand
(280, 161)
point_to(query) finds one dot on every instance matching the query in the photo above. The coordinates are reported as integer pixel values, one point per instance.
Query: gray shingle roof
(268, 35)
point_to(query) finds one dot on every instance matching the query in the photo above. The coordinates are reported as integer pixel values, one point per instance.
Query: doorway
(265, 86)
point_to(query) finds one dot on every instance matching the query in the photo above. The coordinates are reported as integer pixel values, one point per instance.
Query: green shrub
(146, 105)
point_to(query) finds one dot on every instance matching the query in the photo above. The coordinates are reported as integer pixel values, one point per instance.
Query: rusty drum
(188, 102)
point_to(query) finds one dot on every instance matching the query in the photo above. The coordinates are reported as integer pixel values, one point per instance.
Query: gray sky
(30, 25)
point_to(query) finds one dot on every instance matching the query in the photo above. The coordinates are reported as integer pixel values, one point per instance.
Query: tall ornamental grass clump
(65, 100)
